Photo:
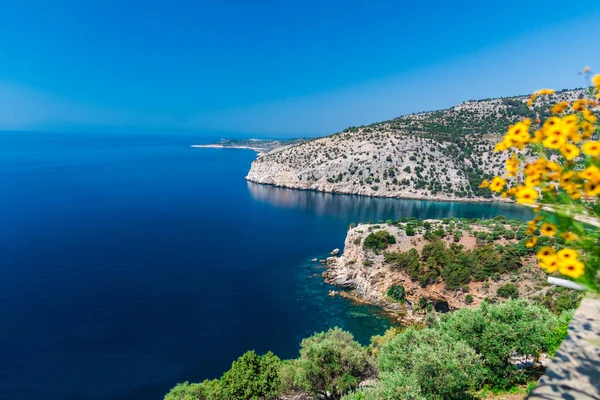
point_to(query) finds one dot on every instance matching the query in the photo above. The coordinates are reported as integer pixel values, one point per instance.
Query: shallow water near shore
(132, 262)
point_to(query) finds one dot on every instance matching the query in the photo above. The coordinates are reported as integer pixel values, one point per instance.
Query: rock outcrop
(370, 277)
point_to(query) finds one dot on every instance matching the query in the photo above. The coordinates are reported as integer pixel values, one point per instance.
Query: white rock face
(440, 155)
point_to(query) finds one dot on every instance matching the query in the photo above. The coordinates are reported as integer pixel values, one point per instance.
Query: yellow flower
(574, 194)
(531, 242)
(533, 181)
(545, 252)
(526, 195)
(587, 129)
(550, 264)
(548, 91)
(573, 268)
(596, 81)
(485, 183)
(591, 148)
(591, 173)
(551, 121)
(538, 136)
(569, 236)
(552, 166)
(569, 151)
(559, 108)
(548, 229)
(566, 179)
(500, 147)
(512, 165)
(554, 141)
(579, 105)
(591, 188)
(566, 254)
(588, 115)
(497, 184)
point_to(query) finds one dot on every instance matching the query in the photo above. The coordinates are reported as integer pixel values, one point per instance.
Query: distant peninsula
(262, 146)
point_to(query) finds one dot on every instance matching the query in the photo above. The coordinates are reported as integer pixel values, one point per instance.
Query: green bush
(508, 290)
(331, 363)
(207, 390)
(392, 386)
(379, 240)
(396, 292)
(252, 377)
(499, 331)
(559, 333)
(441, 366)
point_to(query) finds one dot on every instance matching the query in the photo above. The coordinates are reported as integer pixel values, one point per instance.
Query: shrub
(331, 363)
(207, 390)
(396, 292)
(499, 331)
(379, 240)
(393, 386)
(252, 377)
(440, 366)
(508, 290)
(469, 299)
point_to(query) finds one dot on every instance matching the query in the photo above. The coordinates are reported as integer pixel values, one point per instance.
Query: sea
(132, 262)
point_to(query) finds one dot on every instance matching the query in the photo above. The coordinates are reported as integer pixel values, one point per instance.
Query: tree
(379, 240)
(499, 331)
(441, 366)
(252, 377)
(396, 292)
(331, 363)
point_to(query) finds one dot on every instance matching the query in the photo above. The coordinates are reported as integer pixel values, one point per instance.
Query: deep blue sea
(129, 263)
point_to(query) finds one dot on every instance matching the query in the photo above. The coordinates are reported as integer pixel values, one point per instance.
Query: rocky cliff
(370, 276)
(438, 155)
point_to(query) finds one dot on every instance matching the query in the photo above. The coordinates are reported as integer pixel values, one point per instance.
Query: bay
(129, 263)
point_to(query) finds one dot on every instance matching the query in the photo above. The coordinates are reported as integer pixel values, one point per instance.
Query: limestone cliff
(438, 155)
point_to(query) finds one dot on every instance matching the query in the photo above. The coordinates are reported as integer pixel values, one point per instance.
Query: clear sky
(277, 68)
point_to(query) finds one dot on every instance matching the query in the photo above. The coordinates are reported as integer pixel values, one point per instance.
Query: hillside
(438, 155)
(442, 264)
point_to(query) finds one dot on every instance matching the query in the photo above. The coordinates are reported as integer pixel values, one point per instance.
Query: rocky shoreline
(358, 192)
(366, 277)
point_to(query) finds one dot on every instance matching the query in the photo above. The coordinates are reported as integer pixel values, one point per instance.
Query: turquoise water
(130, 263)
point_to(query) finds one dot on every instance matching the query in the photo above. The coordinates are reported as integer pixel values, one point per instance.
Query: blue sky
(277, 68)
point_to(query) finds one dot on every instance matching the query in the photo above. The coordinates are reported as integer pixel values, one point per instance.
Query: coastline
(220, 146)
(385, 196)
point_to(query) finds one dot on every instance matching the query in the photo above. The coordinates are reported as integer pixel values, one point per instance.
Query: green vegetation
(396, 292)
(454, 264)
(379, 240)
(508, 290)
(331, 363)
(452, 358)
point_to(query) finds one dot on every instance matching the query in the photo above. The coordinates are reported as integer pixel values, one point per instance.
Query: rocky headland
(484, 256)
(434, 155)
